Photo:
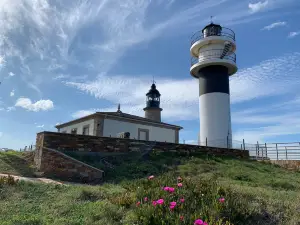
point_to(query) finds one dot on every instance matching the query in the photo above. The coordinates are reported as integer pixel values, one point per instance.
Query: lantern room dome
(153, 91)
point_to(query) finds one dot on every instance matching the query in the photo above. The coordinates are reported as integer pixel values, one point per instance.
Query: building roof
(125, 116)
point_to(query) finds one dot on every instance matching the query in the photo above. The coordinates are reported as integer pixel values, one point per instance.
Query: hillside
(16, 163)
(214, 190)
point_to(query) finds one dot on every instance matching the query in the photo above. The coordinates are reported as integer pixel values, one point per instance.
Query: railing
(213, 54)
(28, 148)
(258, 151)
(279, 151)
(225, 32)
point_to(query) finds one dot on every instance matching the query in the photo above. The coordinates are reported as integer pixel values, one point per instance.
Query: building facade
(112, 124)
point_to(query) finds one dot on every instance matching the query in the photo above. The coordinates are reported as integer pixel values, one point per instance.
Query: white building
(111, 124)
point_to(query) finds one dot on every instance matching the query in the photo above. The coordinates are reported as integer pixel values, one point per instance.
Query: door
(143, 134)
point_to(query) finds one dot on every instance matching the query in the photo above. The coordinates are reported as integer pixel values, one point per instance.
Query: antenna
(153, 81)
(211, 19)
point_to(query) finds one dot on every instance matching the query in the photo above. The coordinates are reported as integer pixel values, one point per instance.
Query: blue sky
(60, 60)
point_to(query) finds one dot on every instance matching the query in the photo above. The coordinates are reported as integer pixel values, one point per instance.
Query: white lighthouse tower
(213, 61)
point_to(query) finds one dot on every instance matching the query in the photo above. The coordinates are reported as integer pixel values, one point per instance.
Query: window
(85, 130)
(74, 131)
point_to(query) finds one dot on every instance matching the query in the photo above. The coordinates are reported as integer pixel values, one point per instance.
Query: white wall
(79, 127)
(215, 121)
(113, 127)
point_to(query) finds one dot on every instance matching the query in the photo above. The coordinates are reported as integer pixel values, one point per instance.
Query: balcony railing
(225, 32)
(214, 54)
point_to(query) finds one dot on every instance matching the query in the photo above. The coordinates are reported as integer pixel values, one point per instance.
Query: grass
(16, 163)
(254, 192)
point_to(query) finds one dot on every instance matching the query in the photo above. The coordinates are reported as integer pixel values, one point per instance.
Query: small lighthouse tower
(152, 109)
(213, 61)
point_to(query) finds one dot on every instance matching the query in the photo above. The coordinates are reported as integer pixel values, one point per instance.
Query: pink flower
(160, 201)
(198, 222)
(179, 184)
(154, 203)
(173, 203)
(205, 223)
(181, 218)
(166, 188)
(221, 200)
(138, 203)
(182, 200)
(171, 189)
(151, 177)
(145, 199)
(172, 206)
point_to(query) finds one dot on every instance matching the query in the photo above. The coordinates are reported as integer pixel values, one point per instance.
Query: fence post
(286, 153)
(227, 142)
(266, 150)
(206, 141)
(258, 149)
(241, 146)
(277, 151)
(244, 144)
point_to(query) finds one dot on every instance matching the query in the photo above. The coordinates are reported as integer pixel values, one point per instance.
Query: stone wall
(53, 163)
(70, 142)
(287, 164)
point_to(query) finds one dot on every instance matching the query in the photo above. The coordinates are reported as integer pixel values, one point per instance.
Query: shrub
(9, 180)
(192, 201)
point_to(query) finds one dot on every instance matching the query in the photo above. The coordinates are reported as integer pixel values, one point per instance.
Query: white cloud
(12, 93)
(180, 104)
(249, 83)
(10, 108)
(41, 105)
(272, 120)
(258, 6)
(82, 113)
(2, 61)
(1, 134)
(11, 74)
(54, 36)
(40, 126)
(293, 34)
(274, 25)
(61, 76)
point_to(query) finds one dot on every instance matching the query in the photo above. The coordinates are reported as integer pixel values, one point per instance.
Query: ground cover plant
(162, 189)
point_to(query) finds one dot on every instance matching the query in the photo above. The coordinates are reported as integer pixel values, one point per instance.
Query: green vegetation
(16, 163)
(253, 192)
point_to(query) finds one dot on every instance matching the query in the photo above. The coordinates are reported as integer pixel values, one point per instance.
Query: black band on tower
(213, 79)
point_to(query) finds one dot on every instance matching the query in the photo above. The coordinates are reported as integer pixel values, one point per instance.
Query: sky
(60, 60)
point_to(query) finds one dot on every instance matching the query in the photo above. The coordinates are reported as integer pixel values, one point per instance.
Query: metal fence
(258, 151)
(28, 148)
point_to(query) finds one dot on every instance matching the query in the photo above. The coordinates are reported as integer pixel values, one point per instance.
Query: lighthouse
(152, 109)
(213, 61)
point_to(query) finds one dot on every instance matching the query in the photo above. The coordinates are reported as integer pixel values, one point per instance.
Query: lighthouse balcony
(212, 36)
(212, 57)
(214, 31)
